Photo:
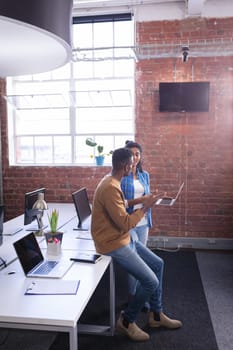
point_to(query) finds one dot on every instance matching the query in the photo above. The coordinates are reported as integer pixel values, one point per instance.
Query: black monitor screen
(184, 97)
(82, 205)
(30, 199)
(28, 251)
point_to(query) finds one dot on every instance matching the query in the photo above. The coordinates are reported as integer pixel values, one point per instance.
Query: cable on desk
(3, 262)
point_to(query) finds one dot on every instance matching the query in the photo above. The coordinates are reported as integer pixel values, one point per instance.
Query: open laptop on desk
(168, 200)
(83, 211)
(33, 262)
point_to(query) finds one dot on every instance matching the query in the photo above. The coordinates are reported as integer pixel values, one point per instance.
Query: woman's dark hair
(120, 158)
(133, 144)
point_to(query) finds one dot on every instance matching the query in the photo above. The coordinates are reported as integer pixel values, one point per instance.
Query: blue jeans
(147, 269)
(138, 233)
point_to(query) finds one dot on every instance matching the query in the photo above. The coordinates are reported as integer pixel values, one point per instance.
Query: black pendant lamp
(35, 35)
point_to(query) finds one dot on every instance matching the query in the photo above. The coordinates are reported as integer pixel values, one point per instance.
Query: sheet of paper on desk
(54, 287)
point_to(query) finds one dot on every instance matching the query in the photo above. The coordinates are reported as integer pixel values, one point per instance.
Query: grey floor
(216, 270)
(217, 277)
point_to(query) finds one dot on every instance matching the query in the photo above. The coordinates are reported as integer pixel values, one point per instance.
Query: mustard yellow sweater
(110, 222)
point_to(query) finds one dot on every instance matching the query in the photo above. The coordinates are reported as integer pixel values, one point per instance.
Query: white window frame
(28, 96)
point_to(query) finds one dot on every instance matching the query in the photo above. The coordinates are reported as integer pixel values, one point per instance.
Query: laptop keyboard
(46, 267)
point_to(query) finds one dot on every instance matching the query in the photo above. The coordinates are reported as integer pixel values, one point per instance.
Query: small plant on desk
(54, 237)
(53, 220)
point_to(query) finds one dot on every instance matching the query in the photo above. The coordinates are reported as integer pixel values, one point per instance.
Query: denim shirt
(127, 186)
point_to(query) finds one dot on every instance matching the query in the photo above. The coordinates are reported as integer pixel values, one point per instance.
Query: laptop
(33, 262)
(83, 210)
(168, 200)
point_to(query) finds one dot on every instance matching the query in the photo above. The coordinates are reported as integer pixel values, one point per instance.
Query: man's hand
(150, 201)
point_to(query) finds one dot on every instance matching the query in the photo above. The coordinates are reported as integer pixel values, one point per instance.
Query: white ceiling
(164, 8)
(149, 10)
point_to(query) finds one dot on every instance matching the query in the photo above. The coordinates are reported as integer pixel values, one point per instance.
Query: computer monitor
(31, 214)
(83, 209)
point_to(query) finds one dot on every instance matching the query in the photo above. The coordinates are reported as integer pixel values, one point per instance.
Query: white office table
(66, 213)
(14, 229)
(70, 240)
(54, 312)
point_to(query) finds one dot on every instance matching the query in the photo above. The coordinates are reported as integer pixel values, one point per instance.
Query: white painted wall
(159, 10)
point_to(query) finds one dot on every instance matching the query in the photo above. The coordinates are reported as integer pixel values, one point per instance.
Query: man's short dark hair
(120, 158)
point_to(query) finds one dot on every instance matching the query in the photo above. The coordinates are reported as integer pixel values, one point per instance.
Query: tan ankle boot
(165, 321)
(132, 331)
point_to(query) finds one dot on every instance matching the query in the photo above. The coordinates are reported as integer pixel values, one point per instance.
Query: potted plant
(53, 237)
(100, 155)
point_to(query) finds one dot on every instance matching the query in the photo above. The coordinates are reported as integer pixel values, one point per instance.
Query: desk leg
(73, 338)
(112, 298)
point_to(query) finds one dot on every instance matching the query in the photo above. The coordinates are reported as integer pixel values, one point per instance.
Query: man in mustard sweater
(110, 231)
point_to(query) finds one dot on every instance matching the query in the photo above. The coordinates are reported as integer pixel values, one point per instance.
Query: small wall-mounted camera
(185, 52)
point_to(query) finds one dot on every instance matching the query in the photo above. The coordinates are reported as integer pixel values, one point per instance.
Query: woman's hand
(157, 194)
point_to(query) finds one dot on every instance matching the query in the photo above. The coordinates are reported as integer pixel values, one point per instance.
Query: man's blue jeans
(147, 268)
(138, 233)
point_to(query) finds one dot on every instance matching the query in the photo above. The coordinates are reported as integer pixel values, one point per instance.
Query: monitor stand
(82, 227)
(35, 228)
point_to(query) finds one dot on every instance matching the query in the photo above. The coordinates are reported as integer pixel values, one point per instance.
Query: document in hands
(42, 287)
(170, 201)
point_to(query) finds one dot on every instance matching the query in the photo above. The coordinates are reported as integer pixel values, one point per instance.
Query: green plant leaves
(90, 142)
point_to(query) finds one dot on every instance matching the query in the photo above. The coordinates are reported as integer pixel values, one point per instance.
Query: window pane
(124, 33)
(47, 121)
(87, 154)
(92, 96)
(103, 34)
(121, 69)
(104, 120)
(43, 150)
(83, 70)
(82, 35)
(25, 150)
(103, 69)
(62, 149)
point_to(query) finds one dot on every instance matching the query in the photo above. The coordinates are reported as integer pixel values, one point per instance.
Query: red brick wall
(193, 147)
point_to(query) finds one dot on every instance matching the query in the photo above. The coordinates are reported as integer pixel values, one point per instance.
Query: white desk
(67, 213)
(70, 240)
(55, 312)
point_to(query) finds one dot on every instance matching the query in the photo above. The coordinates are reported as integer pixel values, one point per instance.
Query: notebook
(86, 257)
(170, 201)
(33, 262)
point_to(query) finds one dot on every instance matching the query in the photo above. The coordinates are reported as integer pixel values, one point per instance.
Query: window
(51, 114)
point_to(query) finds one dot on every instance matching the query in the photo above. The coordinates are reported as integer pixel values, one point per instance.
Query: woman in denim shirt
(136, 187)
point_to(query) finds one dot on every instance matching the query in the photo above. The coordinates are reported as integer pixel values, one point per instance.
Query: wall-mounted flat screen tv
(184, 97)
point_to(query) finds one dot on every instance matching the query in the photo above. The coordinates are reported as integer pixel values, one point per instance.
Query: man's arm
(115, 207)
